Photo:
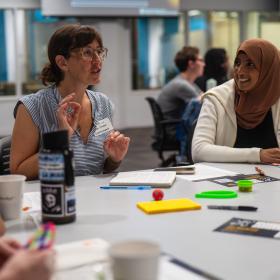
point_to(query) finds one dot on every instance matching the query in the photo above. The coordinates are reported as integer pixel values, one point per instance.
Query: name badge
(103, 126)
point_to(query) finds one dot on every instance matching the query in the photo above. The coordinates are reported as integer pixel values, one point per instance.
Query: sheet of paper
(80, 253)
(203, 171)
(31, 202)
(169, 269)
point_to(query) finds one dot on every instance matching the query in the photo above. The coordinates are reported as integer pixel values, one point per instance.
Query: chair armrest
(171, 121)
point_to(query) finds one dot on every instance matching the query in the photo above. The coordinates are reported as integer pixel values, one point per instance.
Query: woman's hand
(29, 264)
(270, 155)
(8, 247)
(116, 146)
(68, 114)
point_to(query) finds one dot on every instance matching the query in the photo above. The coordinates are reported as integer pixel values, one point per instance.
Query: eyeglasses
(200, 59)
(89, 54)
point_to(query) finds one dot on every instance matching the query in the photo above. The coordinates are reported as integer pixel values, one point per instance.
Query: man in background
(180, 90)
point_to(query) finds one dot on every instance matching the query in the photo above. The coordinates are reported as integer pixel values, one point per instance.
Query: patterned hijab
(251, 107)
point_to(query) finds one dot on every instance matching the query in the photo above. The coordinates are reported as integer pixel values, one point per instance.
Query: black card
(251, 227)
(231, 181)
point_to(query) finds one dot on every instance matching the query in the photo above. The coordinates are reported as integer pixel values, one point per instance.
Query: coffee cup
(137, 260)
(11, 191)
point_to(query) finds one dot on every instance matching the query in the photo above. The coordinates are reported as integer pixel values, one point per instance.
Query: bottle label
(51, 167)
(58, 200)
(70, 201)
(52, 200)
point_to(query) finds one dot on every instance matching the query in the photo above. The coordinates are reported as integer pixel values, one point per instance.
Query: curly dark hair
(63, 41)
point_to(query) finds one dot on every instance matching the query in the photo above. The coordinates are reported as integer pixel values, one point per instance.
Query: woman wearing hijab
(240, 119)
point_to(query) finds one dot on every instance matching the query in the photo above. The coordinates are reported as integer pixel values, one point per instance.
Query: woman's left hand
(116, 146)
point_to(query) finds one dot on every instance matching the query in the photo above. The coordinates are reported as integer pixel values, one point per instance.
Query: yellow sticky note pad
(170, 205)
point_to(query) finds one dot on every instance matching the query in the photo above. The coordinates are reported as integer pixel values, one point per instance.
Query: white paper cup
(135, 260)
(11, 191)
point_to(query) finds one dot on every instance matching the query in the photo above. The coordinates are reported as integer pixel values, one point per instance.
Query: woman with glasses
(240, 119)
(75, 55)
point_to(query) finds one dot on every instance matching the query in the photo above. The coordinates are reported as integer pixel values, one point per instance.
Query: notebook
(170, 205)
(161, 179)
(183, 169)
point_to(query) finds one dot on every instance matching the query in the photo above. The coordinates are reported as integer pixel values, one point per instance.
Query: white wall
(131, 108)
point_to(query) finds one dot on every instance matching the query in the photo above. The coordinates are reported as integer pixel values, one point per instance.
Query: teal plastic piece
(217, 194)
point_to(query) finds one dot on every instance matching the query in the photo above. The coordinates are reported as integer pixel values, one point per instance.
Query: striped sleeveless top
(89, 158)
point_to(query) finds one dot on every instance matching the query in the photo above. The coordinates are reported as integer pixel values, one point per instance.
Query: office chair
(162, 142)
(189, 143)
(5, 147)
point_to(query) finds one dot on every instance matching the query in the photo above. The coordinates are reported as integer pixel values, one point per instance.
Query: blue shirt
(89, 158)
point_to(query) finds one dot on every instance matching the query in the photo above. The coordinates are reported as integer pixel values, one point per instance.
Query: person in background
(181, 89)
(215, 70)
(17, 263)
(75, 53)
(2, 227)
(240, 119)
(215, 73)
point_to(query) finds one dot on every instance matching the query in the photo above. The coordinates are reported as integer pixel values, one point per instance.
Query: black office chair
(5, 147)
(189, 144)
(162, 141)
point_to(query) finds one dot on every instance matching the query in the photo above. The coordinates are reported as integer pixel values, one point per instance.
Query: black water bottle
(57, 179)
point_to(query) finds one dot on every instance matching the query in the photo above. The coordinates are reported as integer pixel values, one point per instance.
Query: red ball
(158, 194)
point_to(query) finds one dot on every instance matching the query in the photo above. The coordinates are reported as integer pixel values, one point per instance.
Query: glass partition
(155, 43)
(7, 85)
(24, 35)
(39, 30)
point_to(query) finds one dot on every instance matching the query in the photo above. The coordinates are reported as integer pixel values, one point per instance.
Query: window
(205, 29)
(155, 42)
(39, 30)
(263, 25)
(7, 85)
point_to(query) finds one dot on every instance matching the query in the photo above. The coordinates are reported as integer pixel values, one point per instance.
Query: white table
(113, 216)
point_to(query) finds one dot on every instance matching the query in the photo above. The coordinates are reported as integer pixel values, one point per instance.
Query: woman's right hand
(29, 264)
(68, 114)
(270, 155)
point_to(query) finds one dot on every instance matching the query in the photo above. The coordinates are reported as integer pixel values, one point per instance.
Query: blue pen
(126, 187)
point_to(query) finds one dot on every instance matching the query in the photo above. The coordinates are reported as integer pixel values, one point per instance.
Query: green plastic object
(217, 194)
(245, 185)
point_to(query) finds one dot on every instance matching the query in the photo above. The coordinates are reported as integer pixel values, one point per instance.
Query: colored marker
(237, 208)
(126, 187)
(43, 238)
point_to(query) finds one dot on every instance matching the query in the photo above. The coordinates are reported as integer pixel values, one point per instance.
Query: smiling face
(85, 64)
(246, 73)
